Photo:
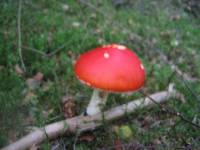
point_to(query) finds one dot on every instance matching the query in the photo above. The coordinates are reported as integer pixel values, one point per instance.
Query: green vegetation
(54, 33)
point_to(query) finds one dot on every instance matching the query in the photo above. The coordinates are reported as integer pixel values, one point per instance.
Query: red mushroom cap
(112, 68)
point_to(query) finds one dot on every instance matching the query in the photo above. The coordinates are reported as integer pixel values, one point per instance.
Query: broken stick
(84, 123)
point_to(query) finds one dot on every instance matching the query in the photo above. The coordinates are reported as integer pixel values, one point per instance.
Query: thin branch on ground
(59, 49)
(85, 123)
(170, 110)
(19, 34)
(45, 54)
(56, 51)
(35, 50)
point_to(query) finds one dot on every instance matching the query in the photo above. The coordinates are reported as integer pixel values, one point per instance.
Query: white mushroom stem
(98, 99)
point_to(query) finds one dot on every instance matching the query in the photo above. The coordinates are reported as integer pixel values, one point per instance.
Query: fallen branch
(84, 123)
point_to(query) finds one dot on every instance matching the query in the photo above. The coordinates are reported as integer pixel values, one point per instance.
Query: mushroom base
(98, 99)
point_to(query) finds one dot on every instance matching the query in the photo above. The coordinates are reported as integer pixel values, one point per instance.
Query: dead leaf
(87, 137)
(157, 141)
(46, 86)
(117, 144)
(72, 56)
(68, 106)
(175, 17)
(35, 81)
(29, 120)
(46, 113)
(39, 76)
(181, 97)
(30, 96)
(32, 83)
(19, 70)
(12, 136)
(147, 120)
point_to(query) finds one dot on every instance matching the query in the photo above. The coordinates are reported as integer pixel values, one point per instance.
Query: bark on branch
(84, 123)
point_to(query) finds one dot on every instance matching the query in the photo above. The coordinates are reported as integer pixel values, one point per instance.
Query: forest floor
(40, 40)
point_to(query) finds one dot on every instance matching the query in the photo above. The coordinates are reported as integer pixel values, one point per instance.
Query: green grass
(146, 27)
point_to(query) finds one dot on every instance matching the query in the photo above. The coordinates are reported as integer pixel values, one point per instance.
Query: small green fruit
(125, 132)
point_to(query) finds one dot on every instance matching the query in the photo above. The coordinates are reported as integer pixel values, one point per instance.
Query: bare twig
(45, 54)
(56, 51)
(35, 50)
(85, 123)
(19, 34)
(59, 48)
(170, 110)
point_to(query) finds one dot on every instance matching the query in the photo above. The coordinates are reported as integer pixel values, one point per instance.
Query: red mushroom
(110, 68)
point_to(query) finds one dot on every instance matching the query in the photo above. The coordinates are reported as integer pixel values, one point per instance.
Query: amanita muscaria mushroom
(110, 68)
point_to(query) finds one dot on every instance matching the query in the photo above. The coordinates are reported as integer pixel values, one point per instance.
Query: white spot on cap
(121, 47)
(104, 46)
(83, 82)
(142, 67)
(88, 84)
(106, 55)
